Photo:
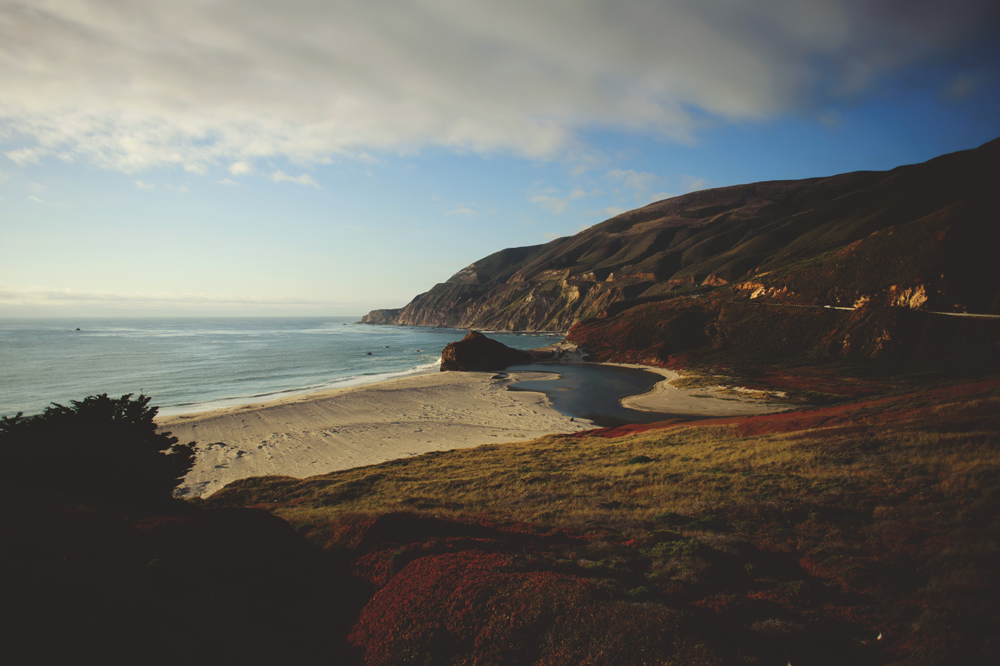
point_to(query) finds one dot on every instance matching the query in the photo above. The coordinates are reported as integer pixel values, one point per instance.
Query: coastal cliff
(918, 237)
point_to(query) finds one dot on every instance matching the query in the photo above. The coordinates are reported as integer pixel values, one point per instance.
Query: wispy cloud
(645, 186)
(34, 198)
(963, 86)
(142, 185)
(692, 183)
(462, 209)
(456, 207)
(830, 118)
(556, 204)
(304, 179)
(550, 203)
(639, 181)
(230, 181)
(131, 86)
(609, 211)
(23, 156)
(240, 168)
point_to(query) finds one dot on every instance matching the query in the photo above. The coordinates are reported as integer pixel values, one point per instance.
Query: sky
(325, 157)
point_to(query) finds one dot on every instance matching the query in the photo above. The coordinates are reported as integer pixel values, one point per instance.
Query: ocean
(197, 364)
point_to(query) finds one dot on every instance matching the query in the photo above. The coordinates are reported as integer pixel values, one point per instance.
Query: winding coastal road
(838, 307)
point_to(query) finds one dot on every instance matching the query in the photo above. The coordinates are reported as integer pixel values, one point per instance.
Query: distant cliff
(388, 316)
(921, 237)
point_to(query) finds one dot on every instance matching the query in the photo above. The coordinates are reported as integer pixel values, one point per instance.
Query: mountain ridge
(917, 236)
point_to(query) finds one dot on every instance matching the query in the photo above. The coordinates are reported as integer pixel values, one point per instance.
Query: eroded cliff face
(919, 237)
(551, 301)
(389, 316)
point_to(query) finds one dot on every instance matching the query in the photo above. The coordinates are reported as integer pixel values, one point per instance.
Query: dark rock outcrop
(477, 352)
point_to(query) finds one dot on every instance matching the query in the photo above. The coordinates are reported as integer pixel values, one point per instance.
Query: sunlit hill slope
(920, 238)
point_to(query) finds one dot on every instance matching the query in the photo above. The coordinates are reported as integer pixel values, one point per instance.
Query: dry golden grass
(881, 516)
(584, 483)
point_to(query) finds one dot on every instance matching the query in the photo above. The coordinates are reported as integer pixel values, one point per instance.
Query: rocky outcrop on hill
(918, 236)
(477, 352)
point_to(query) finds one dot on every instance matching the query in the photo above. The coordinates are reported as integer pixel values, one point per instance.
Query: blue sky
(249, 157)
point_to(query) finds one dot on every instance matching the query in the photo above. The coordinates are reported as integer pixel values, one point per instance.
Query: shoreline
(236, 402)
(335, 429)
(342, 428)
(698, 403)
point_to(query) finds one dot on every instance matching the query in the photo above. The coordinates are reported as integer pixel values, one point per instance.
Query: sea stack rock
(477, 352)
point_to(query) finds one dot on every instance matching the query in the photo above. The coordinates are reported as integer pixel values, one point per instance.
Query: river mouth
(592, 391)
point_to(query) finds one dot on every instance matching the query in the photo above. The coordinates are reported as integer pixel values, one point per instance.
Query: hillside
(919, 236)
(864, 533)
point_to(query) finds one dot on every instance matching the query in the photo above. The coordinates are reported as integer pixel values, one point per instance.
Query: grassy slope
(798, 537)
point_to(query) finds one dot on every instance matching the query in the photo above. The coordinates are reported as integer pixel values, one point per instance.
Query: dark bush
(99, 447)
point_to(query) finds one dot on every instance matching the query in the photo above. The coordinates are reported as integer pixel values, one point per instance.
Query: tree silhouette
(99, 446)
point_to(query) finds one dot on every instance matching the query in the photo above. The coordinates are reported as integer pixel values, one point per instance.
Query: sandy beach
(363, 425)
(314, 434)
(711, 401)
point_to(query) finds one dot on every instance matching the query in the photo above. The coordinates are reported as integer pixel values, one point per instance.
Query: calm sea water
(190, 365)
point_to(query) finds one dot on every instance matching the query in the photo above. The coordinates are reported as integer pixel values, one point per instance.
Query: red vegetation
(630, 429)
(481, 607)
(874, 411)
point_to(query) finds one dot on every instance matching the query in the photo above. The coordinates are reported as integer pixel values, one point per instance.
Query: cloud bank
(46, 297)
(190, 83)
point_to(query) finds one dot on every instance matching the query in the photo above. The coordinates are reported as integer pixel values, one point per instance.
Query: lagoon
(593, 391)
